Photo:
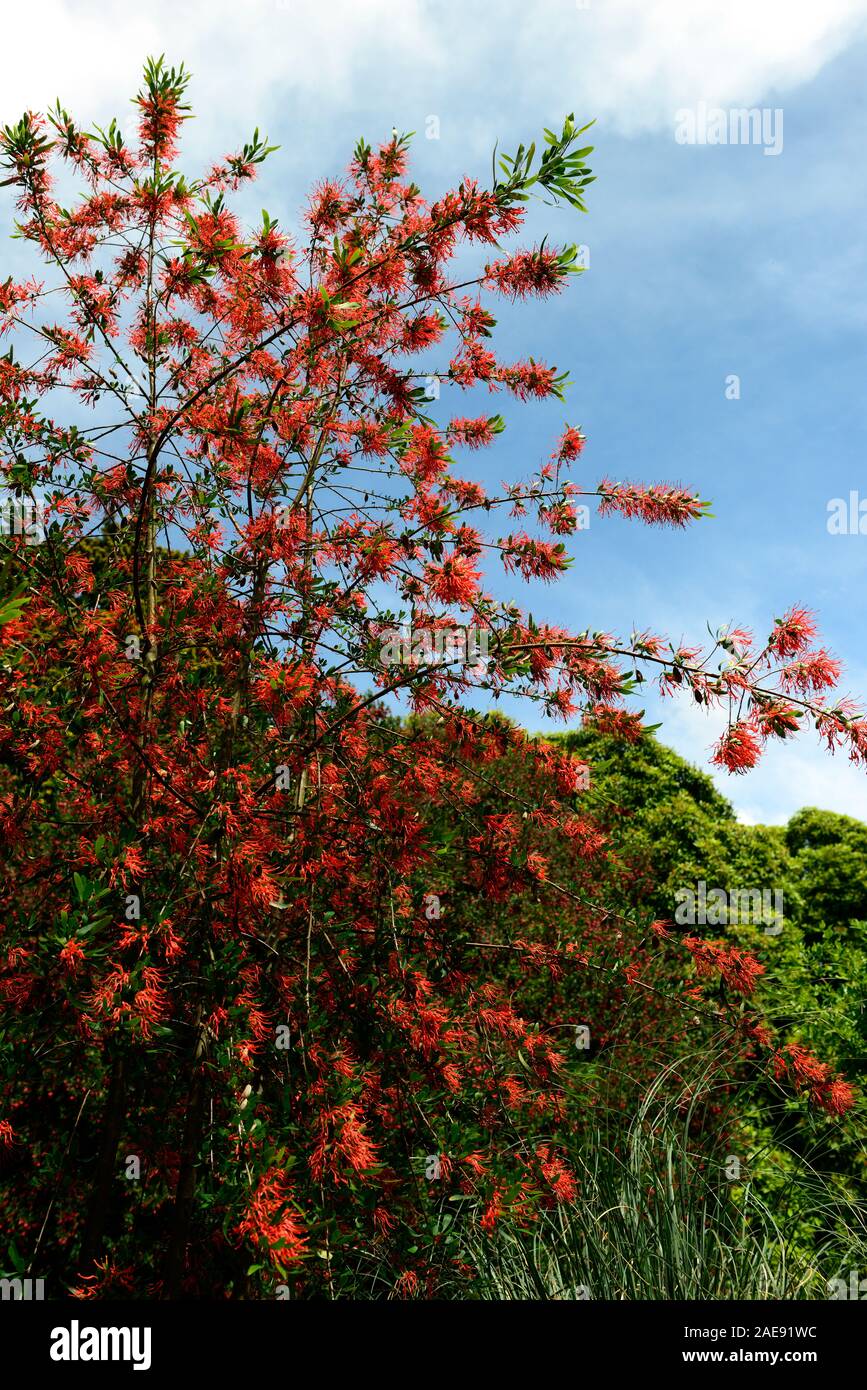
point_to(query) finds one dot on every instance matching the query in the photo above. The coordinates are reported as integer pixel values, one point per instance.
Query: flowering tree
(253, 1036)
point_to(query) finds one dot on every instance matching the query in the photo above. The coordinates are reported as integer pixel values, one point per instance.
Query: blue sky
(705, 261)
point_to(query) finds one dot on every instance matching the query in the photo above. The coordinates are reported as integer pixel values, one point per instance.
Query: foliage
(283, 977)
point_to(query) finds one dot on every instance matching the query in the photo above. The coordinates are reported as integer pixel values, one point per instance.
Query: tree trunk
(173, 1269)
(100, 1197)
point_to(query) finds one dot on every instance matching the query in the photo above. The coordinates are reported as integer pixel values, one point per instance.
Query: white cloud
(632, 62)
(797, 773)
(646, 58)
(91, 54)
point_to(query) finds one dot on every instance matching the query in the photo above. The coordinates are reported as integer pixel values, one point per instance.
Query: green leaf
(12, 606)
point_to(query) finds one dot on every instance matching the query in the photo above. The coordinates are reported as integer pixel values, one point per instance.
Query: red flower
(738, 749)
(571, 444)
(456, 580)
(836, 1097)
(555, 1172)
(72, 956)
(739, 969)
(407, 1284)
(829, 1092)
(792, 633)
(813, 671)
(341, 1143)
(271, 1223)
(658, 504)
(526, 272)
(475, 434)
